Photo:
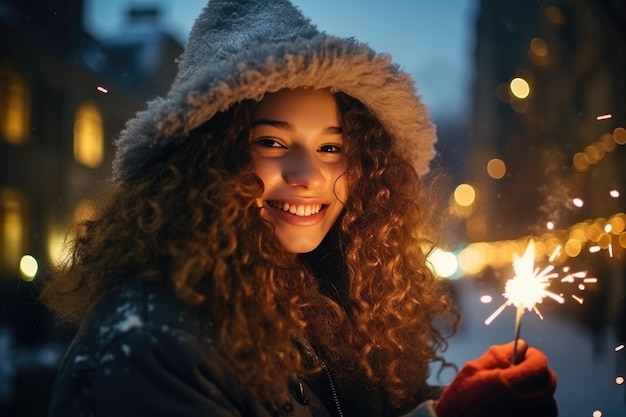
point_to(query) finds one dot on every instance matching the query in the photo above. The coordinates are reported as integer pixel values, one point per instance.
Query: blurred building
(64, 96)
(549, 117)
(547, 152)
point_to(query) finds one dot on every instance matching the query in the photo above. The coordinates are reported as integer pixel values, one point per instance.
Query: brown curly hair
(192, 221)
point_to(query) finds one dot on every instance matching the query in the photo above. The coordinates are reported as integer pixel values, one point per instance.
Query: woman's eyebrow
(333, 130)
(280, 124)
(274, 123)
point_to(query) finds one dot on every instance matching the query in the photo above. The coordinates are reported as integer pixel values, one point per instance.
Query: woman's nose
(300, 168)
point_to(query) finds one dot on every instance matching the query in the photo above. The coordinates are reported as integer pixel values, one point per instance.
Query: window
(14, 106)
(13, 229)
(88, 135)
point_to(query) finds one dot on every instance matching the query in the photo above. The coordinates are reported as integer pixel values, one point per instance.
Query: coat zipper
(332, 389)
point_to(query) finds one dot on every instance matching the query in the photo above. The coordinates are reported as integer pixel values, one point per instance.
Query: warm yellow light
(578, 233)
(581, 161)
(496, 168)
(607, 143)
(476, 226)
(573, 248)
(464, 195)
(538, 53)
(617, 225)
(13, 228)
(551, 245)
(473, 259)
(443, 263)
(555, 15)
(604, 240)
(519, 88)
(88, 136)
(619, 136)
(14, 106)
(28, 267)
(84, 210)
(459, 211)
(58, 251)
(593, 154)
(594, 231)
(539, 47)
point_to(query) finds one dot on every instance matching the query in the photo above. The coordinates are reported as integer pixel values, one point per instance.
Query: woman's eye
(330, 149)
(268, 143)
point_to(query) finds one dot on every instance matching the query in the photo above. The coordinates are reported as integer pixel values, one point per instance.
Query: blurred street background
(529, 98)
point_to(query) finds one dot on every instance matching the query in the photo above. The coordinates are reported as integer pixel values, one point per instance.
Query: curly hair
(192, 221)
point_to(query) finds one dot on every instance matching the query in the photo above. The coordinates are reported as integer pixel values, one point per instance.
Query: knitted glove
(491, 386)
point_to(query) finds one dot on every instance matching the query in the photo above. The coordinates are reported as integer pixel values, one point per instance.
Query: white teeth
(298, 210)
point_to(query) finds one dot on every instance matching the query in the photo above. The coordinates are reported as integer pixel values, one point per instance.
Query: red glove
(491, 386)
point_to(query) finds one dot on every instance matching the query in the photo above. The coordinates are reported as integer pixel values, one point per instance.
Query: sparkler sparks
(529, 286)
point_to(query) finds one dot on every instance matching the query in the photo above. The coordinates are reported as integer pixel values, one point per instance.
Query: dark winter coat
(142, 352)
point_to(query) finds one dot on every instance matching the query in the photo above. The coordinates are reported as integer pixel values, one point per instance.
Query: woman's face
(297, 151)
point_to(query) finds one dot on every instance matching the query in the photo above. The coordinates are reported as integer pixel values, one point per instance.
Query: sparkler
(528, 287)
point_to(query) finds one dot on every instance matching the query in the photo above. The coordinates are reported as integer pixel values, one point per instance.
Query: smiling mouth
(302, 210)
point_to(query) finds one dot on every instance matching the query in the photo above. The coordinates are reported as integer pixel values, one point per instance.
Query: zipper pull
(300, 395)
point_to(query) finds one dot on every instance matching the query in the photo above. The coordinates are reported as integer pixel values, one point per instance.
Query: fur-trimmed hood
(242, 49)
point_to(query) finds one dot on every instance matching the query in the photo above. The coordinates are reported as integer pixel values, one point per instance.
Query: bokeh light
(496, 168)
(465, 195)
(619, 136)
(443, 263)
(28, 267)
(519, 88)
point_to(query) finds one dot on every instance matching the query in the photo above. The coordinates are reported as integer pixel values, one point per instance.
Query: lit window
(88, 135)
(14, 106)
(12, 229)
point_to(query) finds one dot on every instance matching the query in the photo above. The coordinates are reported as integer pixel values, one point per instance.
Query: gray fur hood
(242, 49)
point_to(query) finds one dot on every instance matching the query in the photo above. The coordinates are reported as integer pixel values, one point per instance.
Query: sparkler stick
(515, 358)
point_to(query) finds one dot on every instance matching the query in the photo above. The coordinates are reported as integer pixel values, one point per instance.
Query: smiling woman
(263, 249)
(298, 154)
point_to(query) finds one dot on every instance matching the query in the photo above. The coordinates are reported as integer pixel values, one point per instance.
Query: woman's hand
(491, 386)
